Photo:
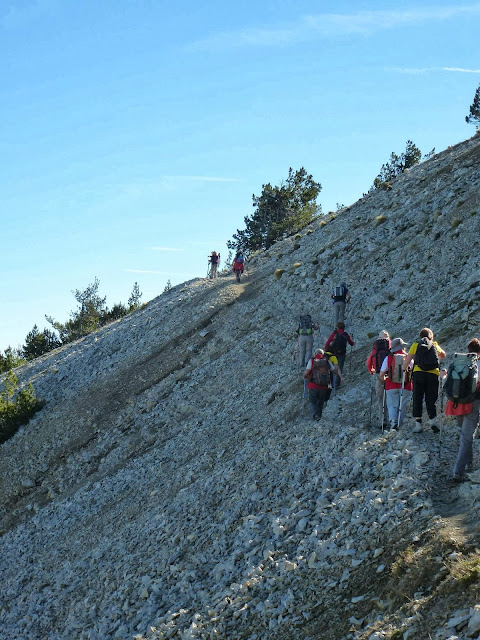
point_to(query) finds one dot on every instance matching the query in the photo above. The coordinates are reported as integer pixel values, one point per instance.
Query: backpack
(381, 350)
(462, 377)
(240, 259)
(339, 344)
(305, 326)
(426, 356)
(339, 293)
(214, 258)
(395, 369)
(321, 371)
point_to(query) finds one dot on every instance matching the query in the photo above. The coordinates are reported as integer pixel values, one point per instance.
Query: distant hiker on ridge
(318, 373)
(340, 296)
(380, 350)
(238, 265)
(337, 344)
(426, 355)
(305, 330)
(214, 262)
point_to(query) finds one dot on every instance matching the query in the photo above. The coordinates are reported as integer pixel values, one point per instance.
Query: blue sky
(133, 133)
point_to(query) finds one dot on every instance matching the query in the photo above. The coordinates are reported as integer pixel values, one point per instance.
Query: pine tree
(134, 300)
(474, 116)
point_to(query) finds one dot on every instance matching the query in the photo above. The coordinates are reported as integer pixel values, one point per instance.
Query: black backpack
(305, 326)
(382, 350)
(426, 356)
(339, 344)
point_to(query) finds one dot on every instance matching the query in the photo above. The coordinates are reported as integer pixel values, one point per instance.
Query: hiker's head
(384, 335)
(319, 352)
(397, 345)
(474, 346)
(426, 333)
(340, 325)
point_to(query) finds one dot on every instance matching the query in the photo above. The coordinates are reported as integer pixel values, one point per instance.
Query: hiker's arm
(330, 340)
(336, 369)
(441, 353)
(370, 365)
(408, 359)
(350, 341)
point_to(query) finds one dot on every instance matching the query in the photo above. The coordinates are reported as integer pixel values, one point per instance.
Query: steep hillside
(174, 486)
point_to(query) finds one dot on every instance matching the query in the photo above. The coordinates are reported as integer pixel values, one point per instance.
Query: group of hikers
(238, 265)
(398, 376)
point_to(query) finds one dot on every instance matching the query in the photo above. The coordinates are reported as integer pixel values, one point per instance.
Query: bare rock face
(174, 484)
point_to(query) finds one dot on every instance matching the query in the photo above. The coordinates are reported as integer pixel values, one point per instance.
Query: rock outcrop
(174, 485)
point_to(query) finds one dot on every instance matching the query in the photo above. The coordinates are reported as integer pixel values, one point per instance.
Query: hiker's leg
(418, 391)
(393, 399)
(321, 398)
(431, 394)
(379, 393)
(313, 400)
(302, 346)
(341, 364)
(336, 311)
(469, 425)
(308, 348)
(405, 400)
(341, 311)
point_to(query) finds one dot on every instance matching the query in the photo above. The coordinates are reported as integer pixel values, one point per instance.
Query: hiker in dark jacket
(214, 262)
(337, 344)
(468, 416)
(380, 350)
(426, 355)
(318, 375)
(340, 296)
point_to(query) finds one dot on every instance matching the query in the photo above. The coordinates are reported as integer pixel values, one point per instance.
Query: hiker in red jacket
(337, 344)
(318, 372)
(238, 265)
(380, 350)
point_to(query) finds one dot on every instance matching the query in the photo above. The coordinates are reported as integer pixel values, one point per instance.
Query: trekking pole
(372, 387)
(383, 406)
(441, 421)
(303, 395)
(335, 392)
(401, 400)
(350, 359)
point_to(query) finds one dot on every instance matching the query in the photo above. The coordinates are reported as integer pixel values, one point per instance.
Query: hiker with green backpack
(463, 402)
(337, 344)
(426, 355)
(318, 373)
(304, 331)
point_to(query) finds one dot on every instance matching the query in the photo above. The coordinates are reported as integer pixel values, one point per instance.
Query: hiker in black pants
(426, 355)
(337, 344)
(318, 373)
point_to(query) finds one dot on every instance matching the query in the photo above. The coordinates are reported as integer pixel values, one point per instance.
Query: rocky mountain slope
(174, 486)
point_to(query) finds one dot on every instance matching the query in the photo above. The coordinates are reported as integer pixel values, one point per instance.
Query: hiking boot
(434, 428)
(418, 428)
(469, 467)
(393, 425)
(456, 478)
(317, 416)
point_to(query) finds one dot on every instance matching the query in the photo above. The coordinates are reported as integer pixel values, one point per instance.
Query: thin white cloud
(165, 249)
(420, 70)
(160, 273)
(460, 70)
(330, 25)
